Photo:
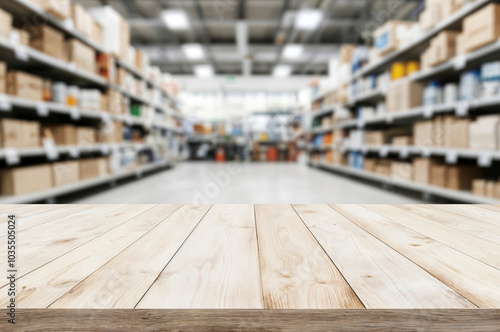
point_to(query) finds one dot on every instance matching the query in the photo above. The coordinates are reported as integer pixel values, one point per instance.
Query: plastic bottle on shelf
(398, 70)
(73, 96)
(433, 94)
(450, 93)
(469, 83)
(59, 92)
(411, 67)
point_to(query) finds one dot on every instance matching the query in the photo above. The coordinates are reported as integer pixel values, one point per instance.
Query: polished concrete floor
(257, 183)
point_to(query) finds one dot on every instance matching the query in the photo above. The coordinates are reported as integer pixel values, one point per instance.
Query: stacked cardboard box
(404, 94)
(423, 133)
(457, 177)
(488, 188)
(402, 140)
(381, 137)
(97, 33)
(141, 61)
(422, 167)
(482, 27)
(94, 168)
(83, 56)
(64, 134)
(60, 8)
(5, 23)
(484, 133)
(437, 10)
(49, 41)
(25, 180)
(111, 134)
(387, 37)
(402, 171)
(456, 132)
(65, 173)
(82, 20)
(24, 85)
(20, 36)
(85, 136)
(383, 167)
(442, 48)
(19, 134)
(3, 77)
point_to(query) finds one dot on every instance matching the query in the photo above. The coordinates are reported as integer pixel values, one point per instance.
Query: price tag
(69, 24)
(71, 66)
(73, 152)
(404, 152)
(21, 53)
(485, 159)
(383, 152)
(128, 120)
(105, 149)
(361, 123)
(5, 104)
(426, 152)
(451, 157)
(428, 111)
(462, 109)
(50, 149)
(460, 62)
(389, 119)
(42, 110)
(105, 117)
(75, 113)
(12, 156)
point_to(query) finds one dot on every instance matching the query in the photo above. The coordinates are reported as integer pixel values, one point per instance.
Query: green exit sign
(231, 78)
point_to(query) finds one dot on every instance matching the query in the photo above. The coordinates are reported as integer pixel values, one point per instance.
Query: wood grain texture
(22, 211)
(473, 212)
(476, 227)
(481, 249)
(495, 208)
(380, 276)
(217, 267)
(125, 320)
(45, 285)
(134, 270)
(471, 278)
(296, 272)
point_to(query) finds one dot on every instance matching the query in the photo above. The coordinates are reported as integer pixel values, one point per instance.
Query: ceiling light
(282, 71)
(193, 51)
(175, 19)
(293, 51)
(204, 71)
(308, 19)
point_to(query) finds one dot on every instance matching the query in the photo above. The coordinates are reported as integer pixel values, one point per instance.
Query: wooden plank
(217, 266)
(45, 285)
(22, 211)
(476, 247)
(30, 221)
(471, 278)
(495, 208)
(472, 226)
(133, 320)
(473, 212)
(296, 272)
(135, 269)
(40, 244)
(380, 276)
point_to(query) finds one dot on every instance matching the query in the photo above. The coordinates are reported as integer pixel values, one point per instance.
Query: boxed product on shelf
(469, 81)
(443, 47)
(141, 60)
(97, 32)
(85, 136)
(24, 85)
(423, 133)
(83, 56)
(3, 77)
(94, 168)
(25, 180)
(438, 174)
(404, 94)
(346, 53)
(381, 137)
(488, 188)
(49, 41)
(460, 44)
(60, 8)
(422, 169)
(456, 132)
(111, 134)
(63, 134)
(370, 164)
(490, 79)
(482, 27)
(65, 173)
(460, 177)
(82, 20)
(388, 36)
(5, 23)
(402, 171)
(402, 140)
(383, 167)
(90, 99)
(115, 102)
(19, 133)
(106, 67)
(19, 36)
(484, 133)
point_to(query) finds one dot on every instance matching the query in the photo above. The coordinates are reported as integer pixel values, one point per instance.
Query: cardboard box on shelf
(85, 136)
(25, 180)
(423, 133)
(49, 41)
(438, 131)
(94, 168)
(370, 164)
(24, 85)
(460, 177)
(3, 77)
(111, 134)
(83, 56)
(5, 23)
(19, 134)
(479, 187)
(404, 94)
(460, 44)
(484, 133)
(456, 132)
(387, 36)
(346, 53)
(82, 20)
(402, 140)
(115, 102)
(61, 9)
(482, 27)
(65, 173)
(62, 134)
(422, 169)
(445, 45)
(141, 60)
(20, 36)
(124, 39)
(402, 171)
(97, 33)
(438, 174)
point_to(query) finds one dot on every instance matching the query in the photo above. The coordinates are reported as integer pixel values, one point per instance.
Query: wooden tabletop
(310, 258)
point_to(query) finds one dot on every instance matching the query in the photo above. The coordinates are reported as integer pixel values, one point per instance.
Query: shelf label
(451, 157)
(73, 152)
(364, 149)
(21, 53)
(428, 111)
(105, 149)
(404, 153)
(5, 104)
(460, 62)
(128, 120)
(75, 113)
(12, 156)
(69, 24)
(115, 148)
(71, 66)
(426, 152)
(389, 119)
(50, 149)
(106, 118)
(42, 110)
(485, 159)
(384, 151)
(361, 123)
(462, 109)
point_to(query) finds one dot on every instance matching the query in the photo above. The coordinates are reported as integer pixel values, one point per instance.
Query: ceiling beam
(205, 36)
(221, 23)
(241, 9)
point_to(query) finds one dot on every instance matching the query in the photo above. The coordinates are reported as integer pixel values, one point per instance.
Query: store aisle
(265, 183)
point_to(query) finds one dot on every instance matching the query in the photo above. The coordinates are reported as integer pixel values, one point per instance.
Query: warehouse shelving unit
(450, 68)
(16, 54)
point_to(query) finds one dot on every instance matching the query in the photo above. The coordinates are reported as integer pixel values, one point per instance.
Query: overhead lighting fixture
(282, 71)
(193, 51)
(308, 19)
(175, 19)
(293, 51)
(204, 71)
